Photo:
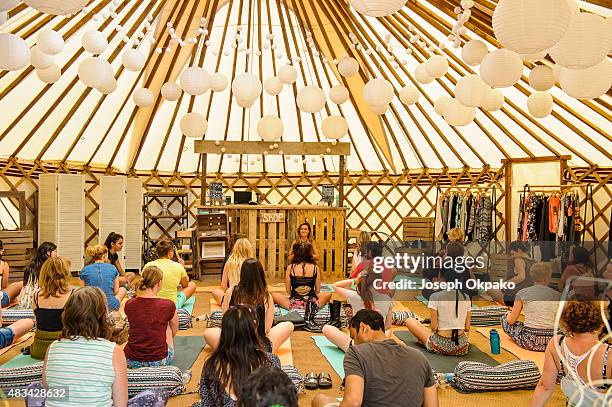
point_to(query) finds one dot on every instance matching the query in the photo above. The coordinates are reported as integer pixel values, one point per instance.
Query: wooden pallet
(18, 246)
(417, 228)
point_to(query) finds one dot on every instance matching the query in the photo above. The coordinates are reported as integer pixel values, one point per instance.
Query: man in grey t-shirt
(380, 372)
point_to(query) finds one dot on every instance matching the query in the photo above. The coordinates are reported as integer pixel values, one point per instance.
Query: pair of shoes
(309, 316)
(314, 381)
(335, 308)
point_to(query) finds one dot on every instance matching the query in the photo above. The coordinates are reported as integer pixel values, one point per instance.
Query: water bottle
(445, 379)
(495, 342)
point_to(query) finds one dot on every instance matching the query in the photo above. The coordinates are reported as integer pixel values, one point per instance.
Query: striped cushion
(475, 377)
(11, 315)
(20, 377)
(488, 316)
(321, 318)
(184, 319)
(400, 317)
(295, 376)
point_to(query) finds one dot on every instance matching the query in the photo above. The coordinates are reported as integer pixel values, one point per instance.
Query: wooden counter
(272, 228)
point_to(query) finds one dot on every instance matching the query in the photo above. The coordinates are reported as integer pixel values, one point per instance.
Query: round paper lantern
(218, 82)
(195, 81)
(378, 93)
(57, 7)
(94, 42)
(534, 57)
(246, 88)
(339, 94)
(194, 125)
(473, 52)
(270, 128)
(528, 26)
(494, 100)
(273, 86)
(143, 97)
(441, 104)
(541, 78)
(109, 86)
(6, 5)
(171, 91)
(409, 95)
(471, 91)
(39, 59)
(436, 66)
(95, 72)
(540, 104)
(14, 52)
(457, 114)
(133, 60)
(377, 8)
(587, 83)
(421, 75)
(585, 43)
(501, 68)
(50, 42)
(287, 74)
(348, 66)
(334, 127)
(49, 75)
(311, 99)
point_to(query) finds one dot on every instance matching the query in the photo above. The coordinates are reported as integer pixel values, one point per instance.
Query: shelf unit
(186, 238)
(211, 236)
(164, 213)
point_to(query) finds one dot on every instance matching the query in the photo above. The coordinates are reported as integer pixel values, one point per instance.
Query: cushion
(321, 318)
(488, 316)
(295, 376)
(20, 377)
(11, 315)
(477, 377)
(184, 319)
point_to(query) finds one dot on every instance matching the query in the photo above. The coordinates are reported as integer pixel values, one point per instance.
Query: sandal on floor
(325, 381)
(311, 381)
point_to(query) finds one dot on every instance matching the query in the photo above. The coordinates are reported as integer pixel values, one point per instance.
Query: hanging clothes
(553, 213)
(484, 220)
(439, 217)
(458, 212)
(472, 220)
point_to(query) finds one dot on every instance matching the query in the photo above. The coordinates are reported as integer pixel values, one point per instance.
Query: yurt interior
(282, 203)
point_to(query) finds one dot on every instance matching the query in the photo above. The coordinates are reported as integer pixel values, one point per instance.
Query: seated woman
(252, 290)
(114, 244)
(8, 291)
(304, 236)
(540, 303)
(239, 352)
(103, 275)
(242, 250)
(580, 265)
(453, 252)
(450, 318)
(580, 357)
(360, 249)
(455, 235)
(374, 250)
(153, 323)
(10, 334)
(31, 272)
(48, 305)
(84, 361)
(519, 274)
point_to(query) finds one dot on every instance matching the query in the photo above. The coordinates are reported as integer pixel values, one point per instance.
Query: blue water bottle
(495, 342)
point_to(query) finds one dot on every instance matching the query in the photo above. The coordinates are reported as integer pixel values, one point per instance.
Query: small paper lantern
(436, 66)
(441, 104)
(541, 78)
(540, 104)
(409, 95)
(218, 82)
(494, 100)
(377, 8)
(287, 74)
(246, 88)
(587, 83)
(378, 93)
(57, 7)
(334, 127)
(143, 97)
(109, 86)
(39, 59)
(471, 91)
(457, 114)
(586, 42)
(270, 128)
(50, 74)
(95, 72)
(534, 57)
(501, 68)
(50, 42)
(339, 94)
(14, 52)
(194, 125)
(348, 66)
(528, 26)
(195, 81)
(421, 75)
(94, 42)
(473, 52)
(6, 5)
(311, 99)
(273, 86)
(171, 91)
(133, 60)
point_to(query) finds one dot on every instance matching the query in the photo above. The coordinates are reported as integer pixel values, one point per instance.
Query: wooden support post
(203, 180)
(341, 175)
(508, 198)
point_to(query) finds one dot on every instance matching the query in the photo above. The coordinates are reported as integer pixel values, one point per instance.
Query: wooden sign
(327, 193)
(272, 217)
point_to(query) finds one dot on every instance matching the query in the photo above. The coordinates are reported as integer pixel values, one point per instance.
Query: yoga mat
(20, 361)
(417, 281)
(19, 340)
(333, 354)
(422, 300)
(188, 305)
(445, 364)
(508, 344)
(186, 351)
(285, 354)
(327, 288)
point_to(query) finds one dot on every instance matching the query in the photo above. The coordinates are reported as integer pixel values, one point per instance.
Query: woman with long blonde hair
(103, 275)
(242, 250)
(360, 249)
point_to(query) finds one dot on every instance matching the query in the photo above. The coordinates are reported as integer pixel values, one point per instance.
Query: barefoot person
(103, 275)
(114, 244)
(304, 235)
(242, 250)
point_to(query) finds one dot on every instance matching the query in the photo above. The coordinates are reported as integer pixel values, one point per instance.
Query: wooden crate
(417, 228)
(18, 246)
(211, 233)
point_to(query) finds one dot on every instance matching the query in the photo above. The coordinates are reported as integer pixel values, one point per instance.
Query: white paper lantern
(133, 60)
(273, 86)
(471, 91)
(14, 52)
(143, 97)
(587, 83)
(246, 88)
(441, 104)
(534, 57)
(540, 104)
(39, 59)
(494, 100)
(473, 52)
(585, 43)
(334, 127)
(195, 81)
(311, 99)
(377, 8)
(270, 128)
(171, 91)
(501, 68)
(194, 125)
(348, 66)
(436, 66)
(95, 72)
(409, 95)
(528, 26)
(218, 82)
(50, 42)
(541, 78)
(339, 94)
(109, 86)
(378, 93)
(457, 114)
(94, 42)
(287, 74)
(421, 75)
(49, 75)
(57, 7)
(6, 5)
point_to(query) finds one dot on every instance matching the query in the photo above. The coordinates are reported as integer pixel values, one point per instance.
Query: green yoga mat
(446, 364)
(333, 354)
(186, 351)
(416, 280)
(327, 288)
(187, 305)
(21, 361)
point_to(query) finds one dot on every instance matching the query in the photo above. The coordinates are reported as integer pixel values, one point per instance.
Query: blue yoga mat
(422, 299)
(187, 305)
(327, 288)
(20, 361)
(333, 354)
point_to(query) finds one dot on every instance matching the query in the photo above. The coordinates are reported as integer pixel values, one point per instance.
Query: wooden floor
(307, 357)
